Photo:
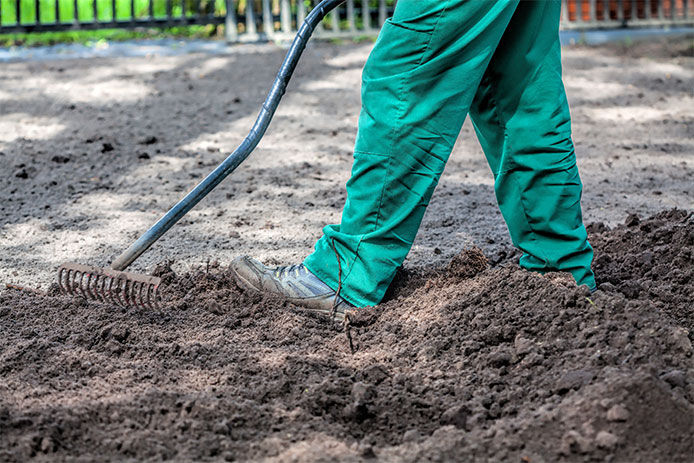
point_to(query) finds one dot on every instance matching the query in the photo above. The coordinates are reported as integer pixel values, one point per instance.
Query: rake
(114, 285)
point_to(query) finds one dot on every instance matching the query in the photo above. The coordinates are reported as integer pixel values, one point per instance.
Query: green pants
(434, 62)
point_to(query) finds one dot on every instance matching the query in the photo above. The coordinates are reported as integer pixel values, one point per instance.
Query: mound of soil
(470, 362)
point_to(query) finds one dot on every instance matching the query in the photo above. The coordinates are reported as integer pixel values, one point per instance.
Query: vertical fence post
(300, 13)
(37, 11)
(268, 26)
(366, 14)
(168, 11)
(285, 16)
(591, 11)
(350, 16)
(381, 12)
(18, 10)
(251, 29)
(113, 10)
(335, 20)
(231, 34)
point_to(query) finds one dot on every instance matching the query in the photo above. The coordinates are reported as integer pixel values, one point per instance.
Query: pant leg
(521, 116)
(417, 86)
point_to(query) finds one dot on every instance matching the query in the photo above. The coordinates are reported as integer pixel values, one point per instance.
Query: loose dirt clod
(500, 365)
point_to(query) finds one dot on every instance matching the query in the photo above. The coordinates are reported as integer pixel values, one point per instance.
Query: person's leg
(417, 86)
(522, 120)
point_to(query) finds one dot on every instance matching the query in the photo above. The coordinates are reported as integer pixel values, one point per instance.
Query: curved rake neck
(244, 149)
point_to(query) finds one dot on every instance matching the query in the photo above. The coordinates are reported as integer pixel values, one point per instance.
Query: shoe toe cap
(248, 270)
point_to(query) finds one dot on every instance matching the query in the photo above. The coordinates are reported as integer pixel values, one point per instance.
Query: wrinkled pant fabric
(434, 62)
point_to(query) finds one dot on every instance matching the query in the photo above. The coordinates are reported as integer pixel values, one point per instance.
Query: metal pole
(231, 33)
(591, 11)
(300, 12)
(268, 26)
(251, 30)
(285, 16)
(335, 20)
(350, 16)
(366, 14)
(634, 11)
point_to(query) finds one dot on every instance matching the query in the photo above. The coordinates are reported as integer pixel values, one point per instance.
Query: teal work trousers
(434, 62)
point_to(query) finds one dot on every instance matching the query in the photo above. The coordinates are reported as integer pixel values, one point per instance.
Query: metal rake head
(110, 286)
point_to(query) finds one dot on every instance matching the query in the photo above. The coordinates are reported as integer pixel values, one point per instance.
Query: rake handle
(244, 149)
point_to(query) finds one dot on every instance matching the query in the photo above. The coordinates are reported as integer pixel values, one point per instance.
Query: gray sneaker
(293, 282)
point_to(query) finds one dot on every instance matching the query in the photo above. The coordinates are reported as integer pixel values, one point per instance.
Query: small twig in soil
(347, 324)
(24, 289)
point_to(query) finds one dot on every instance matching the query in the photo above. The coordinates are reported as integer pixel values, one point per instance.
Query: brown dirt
(470, 362)
(466, 360)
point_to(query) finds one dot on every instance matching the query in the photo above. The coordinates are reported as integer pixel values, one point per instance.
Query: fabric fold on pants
(433, 63)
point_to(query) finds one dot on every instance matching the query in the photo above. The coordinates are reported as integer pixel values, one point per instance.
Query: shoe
(295, 283)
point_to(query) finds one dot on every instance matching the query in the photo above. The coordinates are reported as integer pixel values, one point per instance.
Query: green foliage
(97, 37)
(86, 10)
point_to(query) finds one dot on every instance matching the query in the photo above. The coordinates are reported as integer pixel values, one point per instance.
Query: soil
(468, 362)
(469, 358)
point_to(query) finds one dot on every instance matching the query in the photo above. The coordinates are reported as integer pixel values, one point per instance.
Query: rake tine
(80, 287)
(108, 292)
(142, 293)
(68, 282)
(61, 272)
(137, 293)
(120, 289)
(129, 293)
(156, 297)
(147, 297)
(100, 289)
(121, 286)
(89, 287)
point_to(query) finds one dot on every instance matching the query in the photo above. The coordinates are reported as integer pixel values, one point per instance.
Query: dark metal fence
(251, 20)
